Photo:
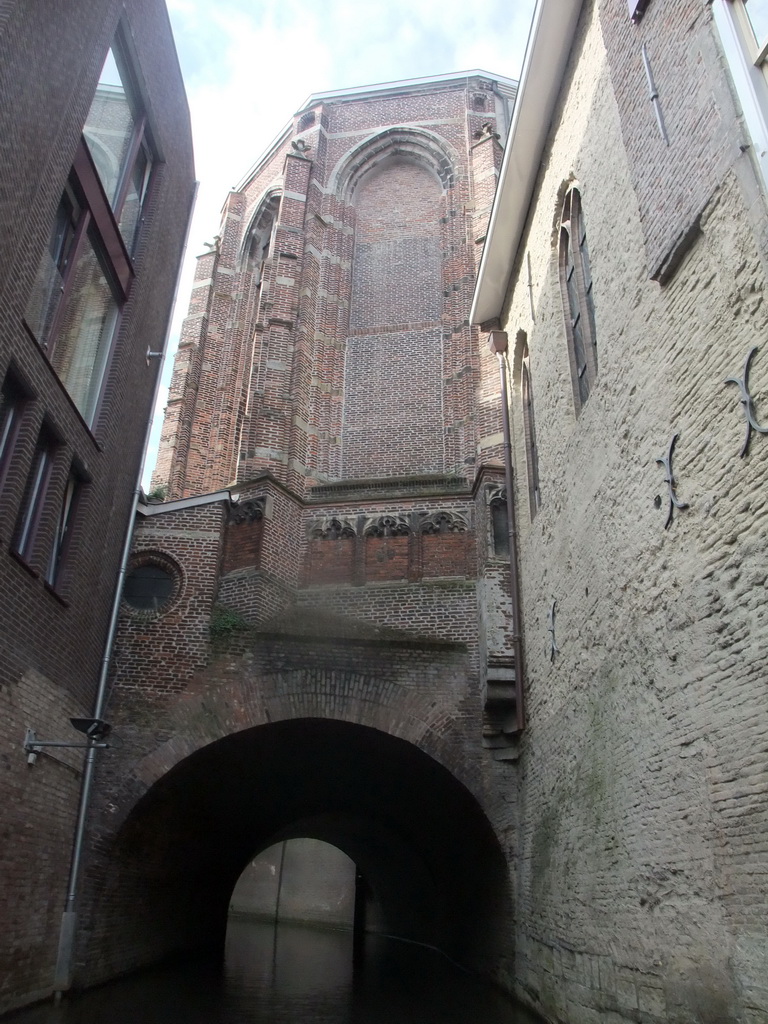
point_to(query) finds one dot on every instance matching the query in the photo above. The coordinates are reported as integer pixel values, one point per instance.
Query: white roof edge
(549, 44)
(405, 83)
(152, 509)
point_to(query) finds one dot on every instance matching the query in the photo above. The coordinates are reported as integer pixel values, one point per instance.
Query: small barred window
(529, 430)
(499, 524)
(152, 583)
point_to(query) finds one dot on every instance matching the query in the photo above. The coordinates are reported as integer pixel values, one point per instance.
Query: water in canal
(294, 975)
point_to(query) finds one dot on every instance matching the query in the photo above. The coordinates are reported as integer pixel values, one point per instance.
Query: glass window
(115, 134)
(743, 29)
(34, 496)
(500, 525)
(148, 586)
(12, 400)
(87, 325)
(49, 281)
(577, 298)
(63, 527)
(529, 431)
(757, 12)
(86, 273)
(130, 215)
(109, 128)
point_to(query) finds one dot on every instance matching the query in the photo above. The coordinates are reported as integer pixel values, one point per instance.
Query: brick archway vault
(284, 740)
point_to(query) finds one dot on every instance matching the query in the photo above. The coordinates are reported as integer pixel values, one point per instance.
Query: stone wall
(641, 858)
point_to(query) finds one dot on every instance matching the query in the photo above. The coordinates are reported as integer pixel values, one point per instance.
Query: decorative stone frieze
(396, 525)
(444, 522)
(330, 528)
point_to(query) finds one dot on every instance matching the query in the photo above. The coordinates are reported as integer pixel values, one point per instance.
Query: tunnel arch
(419, 836)
(299, 881)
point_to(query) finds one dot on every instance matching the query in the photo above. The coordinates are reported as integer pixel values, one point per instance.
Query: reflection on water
(293, 976)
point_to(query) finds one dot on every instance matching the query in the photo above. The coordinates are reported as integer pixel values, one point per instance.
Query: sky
(248, 65)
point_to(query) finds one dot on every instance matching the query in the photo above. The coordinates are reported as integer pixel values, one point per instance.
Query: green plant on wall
(225, 623)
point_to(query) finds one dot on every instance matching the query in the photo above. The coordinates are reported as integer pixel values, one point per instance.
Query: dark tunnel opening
(416, 834)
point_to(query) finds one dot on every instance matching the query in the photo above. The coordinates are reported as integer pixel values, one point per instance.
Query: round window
(149, 587)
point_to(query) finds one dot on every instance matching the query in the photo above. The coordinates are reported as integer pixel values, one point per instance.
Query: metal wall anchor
(674, 501)
(653, 95)
(747, 402)
(554, 649)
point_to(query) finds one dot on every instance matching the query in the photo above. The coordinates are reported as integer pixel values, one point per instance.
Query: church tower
(332, 448)
(327, 338)
(330, 570)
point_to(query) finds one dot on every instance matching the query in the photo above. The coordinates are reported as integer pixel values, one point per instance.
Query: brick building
(313, 618)
(626, 262)
(96, 187)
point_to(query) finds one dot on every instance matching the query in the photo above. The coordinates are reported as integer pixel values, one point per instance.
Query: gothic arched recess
(403, 410)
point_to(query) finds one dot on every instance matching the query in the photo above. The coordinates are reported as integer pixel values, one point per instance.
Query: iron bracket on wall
(747, 402)
(674, 501)
(653, 92)
(554, 649)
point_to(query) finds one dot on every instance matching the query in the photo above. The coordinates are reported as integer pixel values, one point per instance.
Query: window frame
(529, 434)
(161, 560)
(757, 50)
(140, 141)
(748, 65)
(96, 223)
(90, 245)
(68, 510)
(14, 398)
(575, 278)
(637, 9)
(37, 491)
(95, 227)
(498, 522)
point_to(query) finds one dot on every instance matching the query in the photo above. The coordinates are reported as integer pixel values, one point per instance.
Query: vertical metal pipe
(499, 344)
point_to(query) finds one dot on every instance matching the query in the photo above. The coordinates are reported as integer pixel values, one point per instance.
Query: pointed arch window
(259, 240)
(529, 432)
(576, 294)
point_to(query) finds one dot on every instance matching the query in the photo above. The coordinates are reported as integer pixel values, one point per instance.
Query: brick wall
(365, 288)
(698, 112)
(161, 798)
(52, 637)
(309, 601)
(393, 375)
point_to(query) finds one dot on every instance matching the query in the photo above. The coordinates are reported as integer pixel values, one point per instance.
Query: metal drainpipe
(499, 344)
(63, 976)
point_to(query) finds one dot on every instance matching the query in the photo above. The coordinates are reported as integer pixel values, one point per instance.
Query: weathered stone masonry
(641, 860)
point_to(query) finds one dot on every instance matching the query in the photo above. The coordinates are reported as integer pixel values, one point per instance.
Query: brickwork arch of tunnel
(418, 836)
